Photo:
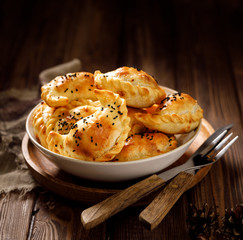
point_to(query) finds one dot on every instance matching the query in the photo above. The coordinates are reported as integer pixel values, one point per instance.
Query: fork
(155, 212)
(182, 177)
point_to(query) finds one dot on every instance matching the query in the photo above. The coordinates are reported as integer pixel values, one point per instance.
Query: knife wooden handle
(155, 212)
(98, 213)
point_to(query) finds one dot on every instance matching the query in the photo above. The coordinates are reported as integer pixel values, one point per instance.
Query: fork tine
(222, 151)
(213, 144)
(220, 144)
(209, 140)
(216, 144)
(209, 158)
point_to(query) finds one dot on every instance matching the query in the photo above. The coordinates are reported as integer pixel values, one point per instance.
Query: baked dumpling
(138, 88)
(177, 113)
(144, 145)
(65, 89)
(97, 137)
(61, 120)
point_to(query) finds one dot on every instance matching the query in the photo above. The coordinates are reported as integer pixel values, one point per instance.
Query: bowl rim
(110, 163)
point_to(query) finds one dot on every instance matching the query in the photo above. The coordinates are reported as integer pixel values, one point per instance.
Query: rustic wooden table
(191, 46)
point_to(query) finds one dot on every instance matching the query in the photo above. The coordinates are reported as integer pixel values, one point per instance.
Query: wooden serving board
(56, 180)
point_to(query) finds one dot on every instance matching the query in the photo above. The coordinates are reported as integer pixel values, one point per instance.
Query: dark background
(174, 41)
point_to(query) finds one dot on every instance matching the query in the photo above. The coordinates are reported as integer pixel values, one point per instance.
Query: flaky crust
(177, 113)
(61, 120)
(144, 145)
(135, 125)
(71, 87)
(40, 117)
(97, 137)
(137, 87)
(64, 119)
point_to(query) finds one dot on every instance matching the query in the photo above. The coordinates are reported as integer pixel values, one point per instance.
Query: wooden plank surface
(192, 46)
(15, 215)
(57, 218)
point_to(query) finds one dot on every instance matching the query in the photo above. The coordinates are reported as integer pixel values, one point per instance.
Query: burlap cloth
(15, 106)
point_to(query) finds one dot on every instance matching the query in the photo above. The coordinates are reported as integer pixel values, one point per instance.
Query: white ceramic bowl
(115, 171)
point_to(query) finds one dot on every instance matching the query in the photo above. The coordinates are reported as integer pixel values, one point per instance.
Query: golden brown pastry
(83, 102)
(70, 87)
(135, 125)
(177, 113)
(40, 116)
(121, 115)
(63, 119)
(144, 145)
(97, 137)
(138, 88)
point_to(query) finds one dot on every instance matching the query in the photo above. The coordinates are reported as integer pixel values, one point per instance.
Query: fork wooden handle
(155, 212)
(98, 213)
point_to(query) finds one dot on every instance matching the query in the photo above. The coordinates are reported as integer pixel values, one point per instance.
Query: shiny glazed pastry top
(70, 87)
(146, 144)
(177, 113)
(138, 88)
